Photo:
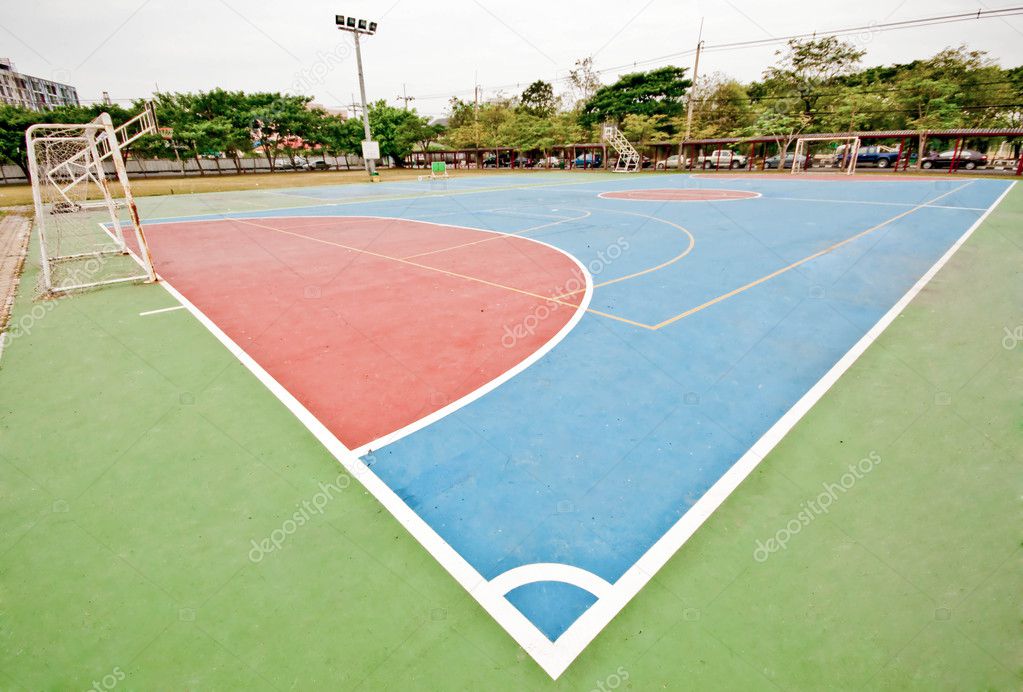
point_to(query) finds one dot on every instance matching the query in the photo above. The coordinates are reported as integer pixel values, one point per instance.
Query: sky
(433, 50)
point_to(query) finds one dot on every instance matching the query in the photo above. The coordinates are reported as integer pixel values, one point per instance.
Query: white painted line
(555, 657)
(750, 194)
(870, 203)
(528, 636)
(582, 631)
(550, 571)
(157, 312)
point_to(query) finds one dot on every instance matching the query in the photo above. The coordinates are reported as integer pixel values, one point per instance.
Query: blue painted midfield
(589, 456)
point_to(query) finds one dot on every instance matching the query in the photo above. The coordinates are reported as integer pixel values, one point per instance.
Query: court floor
(553, 383)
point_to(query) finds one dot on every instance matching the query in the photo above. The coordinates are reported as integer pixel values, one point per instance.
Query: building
(35, 93)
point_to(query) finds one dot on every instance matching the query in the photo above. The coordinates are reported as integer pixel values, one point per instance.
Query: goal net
(83, 240)
(826, 151)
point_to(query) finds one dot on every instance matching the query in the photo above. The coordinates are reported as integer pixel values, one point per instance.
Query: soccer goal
(82, 239)
(844, 154)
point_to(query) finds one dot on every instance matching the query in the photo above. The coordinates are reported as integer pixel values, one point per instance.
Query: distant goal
(843, 156)
(82, 240)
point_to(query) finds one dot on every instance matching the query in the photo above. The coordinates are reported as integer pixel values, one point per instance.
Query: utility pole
(405, 97)
(476, 108)
(357, 27)
(696, 72)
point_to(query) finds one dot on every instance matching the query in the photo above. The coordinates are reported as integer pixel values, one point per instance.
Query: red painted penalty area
(371, 323)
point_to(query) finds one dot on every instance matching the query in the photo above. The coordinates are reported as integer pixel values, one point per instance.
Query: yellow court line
(830, 248)
(413, 264)
(498, 235)
(692, 244)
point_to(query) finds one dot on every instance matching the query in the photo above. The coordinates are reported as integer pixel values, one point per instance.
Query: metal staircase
(628, 158)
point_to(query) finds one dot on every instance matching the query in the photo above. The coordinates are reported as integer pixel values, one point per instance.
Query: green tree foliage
(538, 99)
(721, 107)
(807, 68)
(657, 92)
(399, 130)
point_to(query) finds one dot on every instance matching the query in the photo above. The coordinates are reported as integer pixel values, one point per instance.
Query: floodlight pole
(370, 164)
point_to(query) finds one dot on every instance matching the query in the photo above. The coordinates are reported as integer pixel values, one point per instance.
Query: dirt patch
(14, 235)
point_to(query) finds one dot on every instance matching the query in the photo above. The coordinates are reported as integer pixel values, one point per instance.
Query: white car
(672, 161)
(722, 158)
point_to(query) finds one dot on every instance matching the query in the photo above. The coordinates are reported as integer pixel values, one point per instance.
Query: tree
(645, 128)
(13, 123)
(583, 81)
(538, 99)
(721, 107)
(279, 122)
(398, 130)
(657, 92)
(806, 67)
(784, 128)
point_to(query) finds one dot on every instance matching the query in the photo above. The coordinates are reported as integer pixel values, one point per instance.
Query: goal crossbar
(849, 154)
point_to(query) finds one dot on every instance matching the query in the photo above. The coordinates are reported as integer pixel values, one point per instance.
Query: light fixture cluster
(361, 26)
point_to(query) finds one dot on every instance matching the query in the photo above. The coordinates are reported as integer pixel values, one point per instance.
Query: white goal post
(850, 151)
(81, 237)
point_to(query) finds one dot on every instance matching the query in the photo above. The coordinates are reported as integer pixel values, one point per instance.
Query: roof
(877, 134)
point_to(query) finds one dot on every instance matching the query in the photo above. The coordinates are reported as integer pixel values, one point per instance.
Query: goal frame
(97, 142)
(851, 154)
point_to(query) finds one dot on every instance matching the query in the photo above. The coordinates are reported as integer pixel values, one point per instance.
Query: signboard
(370, 150)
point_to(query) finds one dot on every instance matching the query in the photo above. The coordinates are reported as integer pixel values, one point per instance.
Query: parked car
(772, 161)
(588, 161)
(524, 162)
(319, 166)
(871, 156)
(549, 162)
(672, 161)
(721, 158)
(492, 161)
(968, 159)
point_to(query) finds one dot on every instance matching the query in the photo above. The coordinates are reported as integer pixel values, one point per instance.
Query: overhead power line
(881, 27)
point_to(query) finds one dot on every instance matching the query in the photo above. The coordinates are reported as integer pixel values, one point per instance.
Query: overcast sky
(435, 49)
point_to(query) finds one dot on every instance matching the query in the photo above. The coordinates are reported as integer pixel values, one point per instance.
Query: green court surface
(141, 463)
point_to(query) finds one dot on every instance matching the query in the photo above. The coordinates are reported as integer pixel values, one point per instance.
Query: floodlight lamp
(372, 27)
(339, 19)
(362, 24)
(351, 22)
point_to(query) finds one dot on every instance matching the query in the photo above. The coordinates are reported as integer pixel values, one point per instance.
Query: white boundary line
(878, 204)
(555, 657)
(582, 631)
(492, 599)
(147, 313)
(749, 194)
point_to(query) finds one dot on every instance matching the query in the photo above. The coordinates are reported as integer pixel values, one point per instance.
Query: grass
(21, 195)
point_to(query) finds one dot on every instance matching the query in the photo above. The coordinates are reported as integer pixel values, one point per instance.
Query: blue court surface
(555, 495)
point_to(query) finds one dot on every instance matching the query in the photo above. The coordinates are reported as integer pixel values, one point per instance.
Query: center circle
(679, 195)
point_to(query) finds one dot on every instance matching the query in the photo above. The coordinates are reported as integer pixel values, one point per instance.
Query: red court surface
(368, 340)
(679, 195)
